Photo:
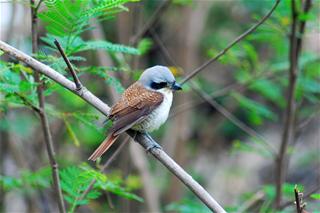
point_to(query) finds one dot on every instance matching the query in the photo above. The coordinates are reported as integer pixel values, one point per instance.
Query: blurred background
(230, 143)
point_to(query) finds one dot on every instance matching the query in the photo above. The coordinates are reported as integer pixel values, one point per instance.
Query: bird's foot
(154, 145)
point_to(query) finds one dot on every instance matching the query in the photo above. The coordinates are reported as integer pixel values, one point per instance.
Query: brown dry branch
(42, 114)
(234, 42)
(143, 139)
(295, 42)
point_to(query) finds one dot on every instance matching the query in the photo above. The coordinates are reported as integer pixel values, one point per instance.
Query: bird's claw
(153, 146)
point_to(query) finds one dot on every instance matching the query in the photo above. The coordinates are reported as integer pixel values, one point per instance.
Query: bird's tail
(106, 144)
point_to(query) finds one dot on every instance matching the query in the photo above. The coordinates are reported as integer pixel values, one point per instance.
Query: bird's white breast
(159, 115)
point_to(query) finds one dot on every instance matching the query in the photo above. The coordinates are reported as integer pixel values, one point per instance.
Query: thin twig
(43, 116)
(232, 118)
(237, 40)
(38, 6)
(289, 125)
(28, 103)
(152, 21)
(143, 139)
(288, 134)
(239, 87)
(302, 26)
(73, 73)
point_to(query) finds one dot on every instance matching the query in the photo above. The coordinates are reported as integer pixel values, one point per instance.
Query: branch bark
(42, 114)
(143, 139)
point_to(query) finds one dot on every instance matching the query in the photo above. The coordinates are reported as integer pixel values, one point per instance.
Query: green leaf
(288, 189)
(104, 7)
(269, 90)
(35, 179)
(315, 196)
(254, 107)
(118, 190)
(145, 45)
(9, 88)
(108, 46)
(115, 83)
(75, 180)
(8, 183)
(269, 191)
(64, 17)
(71, 133)
(71, 18)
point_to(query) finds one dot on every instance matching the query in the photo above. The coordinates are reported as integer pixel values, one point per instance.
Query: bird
(143, 107)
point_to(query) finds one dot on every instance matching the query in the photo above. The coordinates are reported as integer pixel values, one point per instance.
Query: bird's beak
(176, 86)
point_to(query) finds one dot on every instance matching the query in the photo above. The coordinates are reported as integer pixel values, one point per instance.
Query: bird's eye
(160, 85)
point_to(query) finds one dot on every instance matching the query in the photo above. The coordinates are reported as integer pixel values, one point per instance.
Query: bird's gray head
(159, 77)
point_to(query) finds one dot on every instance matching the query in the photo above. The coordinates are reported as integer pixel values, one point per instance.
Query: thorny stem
(43, 116)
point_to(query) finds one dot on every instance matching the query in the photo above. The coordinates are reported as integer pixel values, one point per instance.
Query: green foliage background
(259, 65)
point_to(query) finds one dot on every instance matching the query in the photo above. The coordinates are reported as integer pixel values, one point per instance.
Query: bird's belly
(156, 118)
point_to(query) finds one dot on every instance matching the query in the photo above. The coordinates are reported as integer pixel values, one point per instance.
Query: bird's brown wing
(136, 103)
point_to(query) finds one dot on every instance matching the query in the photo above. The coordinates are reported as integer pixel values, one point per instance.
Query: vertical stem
(288, 133)
(43, 116)
(3, 151)
(289, 128)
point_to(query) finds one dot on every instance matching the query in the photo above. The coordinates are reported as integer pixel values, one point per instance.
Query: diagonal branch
(232, 118)
(143, 139)
(237, 40)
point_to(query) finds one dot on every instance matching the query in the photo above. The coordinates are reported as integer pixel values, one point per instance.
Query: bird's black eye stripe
(160, 85)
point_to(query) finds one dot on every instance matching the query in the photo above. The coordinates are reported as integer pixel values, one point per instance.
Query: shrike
(143, 107)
